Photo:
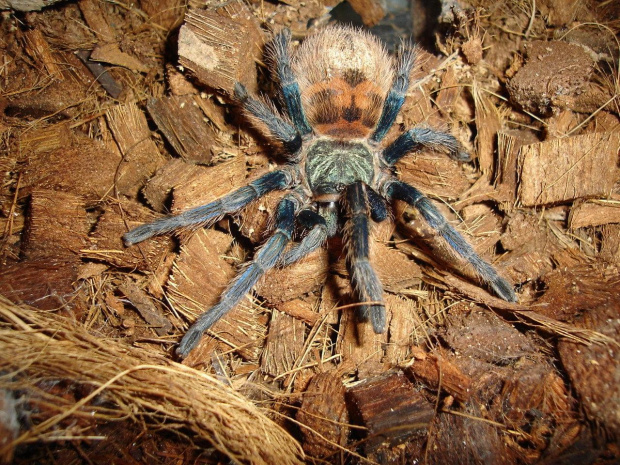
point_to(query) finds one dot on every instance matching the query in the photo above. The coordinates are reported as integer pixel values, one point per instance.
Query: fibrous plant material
(183, 124)
(130, 384)
(566, 169)
(220, 46)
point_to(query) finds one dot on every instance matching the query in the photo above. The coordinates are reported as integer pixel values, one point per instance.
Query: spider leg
(211, 212)
(288, 82)
(378, 209)
(277, 127)
(266, 257)
(317, 235)
(402, 191)
(396, 96)
(357, 232)
(418, 137)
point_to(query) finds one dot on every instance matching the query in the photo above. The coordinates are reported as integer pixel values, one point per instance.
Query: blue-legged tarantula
(342, 92)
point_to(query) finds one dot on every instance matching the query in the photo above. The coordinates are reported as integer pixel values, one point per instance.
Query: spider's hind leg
(266, 257)
(357, 236)
(290, 88)
(266, 117)
(401, 191)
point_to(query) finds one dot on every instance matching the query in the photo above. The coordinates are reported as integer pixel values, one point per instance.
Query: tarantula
(342, 92)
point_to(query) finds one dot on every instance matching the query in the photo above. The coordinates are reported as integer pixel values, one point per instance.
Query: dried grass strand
(142, 385)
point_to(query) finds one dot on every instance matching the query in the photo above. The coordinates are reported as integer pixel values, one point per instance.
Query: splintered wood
(392, 418)
(567, 169)
(141, 157)
(323, 416)
(221, 47)
(183, 124)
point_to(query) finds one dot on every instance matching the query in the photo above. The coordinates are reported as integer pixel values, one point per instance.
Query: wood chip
(42, 282)
(209, 184)
(408, 327)
(141, 157)
(183, 124)
(221, 48)
(57, 225)
(489, 122)
(85, 168)
(391, 409)
(302, 309)
(567, 169)
(323, 415)
(198, 278)
(147, 309)
(106, 242)
(438, 371)
(285, 344)
(158, 189)
(296, 280)
(594, 213)
(433, 174)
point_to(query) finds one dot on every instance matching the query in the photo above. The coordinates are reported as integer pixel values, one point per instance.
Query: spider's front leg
(357, 236)
(401, 191)
(396, 97)
(266, 257)
(280, 49)
(206, 215)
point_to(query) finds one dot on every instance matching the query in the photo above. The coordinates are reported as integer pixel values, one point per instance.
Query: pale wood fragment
(300, 309)
(434, 174)
(107, 49)
(406, 328)
(199, 276)
(39, 49)
(158, 189)
(45, 139)
(489, 123)
(200, 273)
(221, 47)
(566, 169)
(438, 371)
(209, 184)
(26, 5)
(358, 344)
(147, 309)
(141, 157)
(84, 167)
(610, 243)
(302, 277)
(183, 124)
(285, 344)
(594, 213)
(106, 243)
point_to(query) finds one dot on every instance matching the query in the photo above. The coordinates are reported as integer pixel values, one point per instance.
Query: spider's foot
(376, 315)
(503, 289)
(189, 341)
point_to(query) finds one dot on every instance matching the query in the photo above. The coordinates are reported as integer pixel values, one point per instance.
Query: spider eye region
(331, 165)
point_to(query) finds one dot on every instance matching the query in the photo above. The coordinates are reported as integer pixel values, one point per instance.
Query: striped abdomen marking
(348, 106)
